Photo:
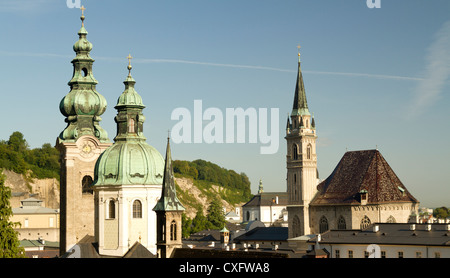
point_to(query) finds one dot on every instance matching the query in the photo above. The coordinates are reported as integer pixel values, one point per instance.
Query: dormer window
(363, 195)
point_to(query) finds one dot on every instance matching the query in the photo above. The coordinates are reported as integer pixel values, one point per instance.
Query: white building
(269, 208)
(386, 240)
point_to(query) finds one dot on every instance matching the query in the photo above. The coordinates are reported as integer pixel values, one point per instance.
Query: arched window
(391, 219)
(296, 226)
(131, 125)
(323, 224)
(365, 222)
(308, 151)
(341, 223)
(295, 152)
(173, 230)
(137, 209)
(111, 209)
(86, 185)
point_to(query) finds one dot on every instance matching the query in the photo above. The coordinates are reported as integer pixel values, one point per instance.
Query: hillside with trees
(41, 163)
(234, 187)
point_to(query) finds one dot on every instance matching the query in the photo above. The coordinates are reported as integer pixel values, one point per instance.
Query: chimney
(428, 227)
(376, 228)
(412, 227)
(448, 227)
(276, 200)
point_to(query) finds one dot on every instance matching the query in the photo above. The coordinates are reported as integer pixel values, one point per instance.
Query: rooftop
(361, 172)
(390, 234)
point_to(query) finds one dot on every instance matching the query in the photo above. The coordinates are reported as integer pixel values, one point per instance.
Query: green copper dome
(127, 163)
(130, 160)
(83, 105)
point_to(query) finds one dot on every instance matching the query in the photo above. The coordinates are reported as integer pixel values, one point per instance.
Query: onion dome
(83, 105)
(130, 160)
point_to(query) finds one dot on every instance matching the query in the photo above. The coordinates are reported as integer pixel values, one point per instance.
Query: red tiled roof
(358, 171)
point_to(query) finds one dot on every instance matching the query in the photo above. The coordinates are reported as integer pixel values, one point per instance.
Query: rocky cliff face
(188, 188)
(22, 188)
(47, 190)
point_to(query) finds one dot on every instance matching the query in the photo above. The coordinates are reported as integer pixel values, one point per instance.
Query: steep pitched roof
(300, 106)
(169, 200)
(361, 171)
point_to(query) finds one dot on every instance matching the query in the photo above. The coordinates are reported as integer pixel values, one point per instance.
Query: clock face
(87, 149)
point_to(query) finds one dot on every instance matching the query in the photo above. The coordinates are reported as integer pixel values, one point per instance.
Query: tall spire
(168, 200)
(300, 106)
(83, 105)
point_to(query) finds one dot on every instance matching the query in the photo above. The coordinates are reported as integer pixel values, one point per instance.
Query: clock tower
(80, 144)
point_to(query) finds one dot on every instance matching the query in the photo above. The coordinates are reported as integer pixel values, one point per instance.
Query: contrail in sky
(177, 61)
(278, 69)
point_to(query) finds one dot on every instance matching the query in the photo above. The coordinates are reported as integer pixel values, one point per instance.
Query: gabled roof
(359, 172)
(266, 199)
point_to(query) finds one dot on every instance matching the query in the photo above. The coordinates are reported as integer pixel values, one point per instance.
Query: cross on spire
(298, 47)
(129, 63)
(82, 15)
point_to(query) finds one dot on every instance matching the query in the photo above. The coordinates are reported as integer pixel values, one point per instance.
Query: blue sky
(374, 78)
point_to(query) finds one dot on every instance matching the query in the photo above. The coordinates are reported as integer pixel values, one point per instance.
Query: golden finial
(298, 47)
(129, 63)
(82, 15)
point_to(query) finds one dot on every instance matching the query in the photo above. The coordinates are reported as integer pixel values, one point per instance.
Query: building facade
(386, 240)
(267, 207)
(36, 221)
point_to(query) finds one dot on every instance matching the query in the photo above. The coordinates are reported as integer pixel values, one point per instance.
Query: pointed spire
(300, 106)
(168, 200)
(288, 124)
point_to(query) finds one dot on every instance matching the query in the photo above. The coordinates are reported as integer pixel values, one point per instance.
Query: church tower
(168, 212)
(80, 144)
(301, 160)
(128, 181)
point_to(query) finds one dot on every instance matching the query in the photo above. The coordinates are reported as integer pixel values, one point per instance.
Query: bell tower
(301, 160)
(80, 144)
(169, 211)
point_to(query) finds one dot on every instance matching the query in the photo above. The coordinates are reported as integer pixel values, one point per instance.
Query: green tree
(441, 212)
(9, 241)
(17, 142)
(215, 216)
(199, 222)
(186, 224)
